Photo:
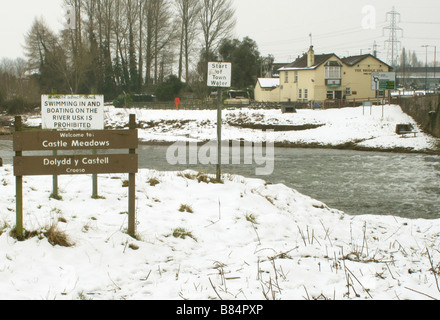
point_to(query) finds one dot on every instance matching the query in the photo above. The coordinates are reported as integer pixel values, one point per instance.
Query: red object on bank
(177, 102)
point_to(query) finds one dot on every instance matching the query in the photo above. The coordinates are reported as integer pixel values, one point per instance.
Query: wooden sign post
(74, 112)
(93, 164)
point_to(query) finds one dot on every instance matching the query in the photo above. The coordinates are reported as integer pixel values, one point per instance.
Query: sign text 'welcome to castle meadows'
(77, 164)
(76, 140)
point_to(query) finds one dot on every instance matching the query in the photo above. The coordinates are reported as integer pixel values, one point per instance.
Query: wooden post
(132, 189)
(94, 180)
(55, 182)
(19, 188)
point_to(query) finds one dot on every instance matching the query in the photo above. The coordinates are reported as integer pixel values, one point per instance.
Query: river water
(406, 185)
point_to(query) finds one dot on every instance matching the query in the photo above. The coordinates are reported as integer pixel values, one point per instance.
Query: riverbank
(361, 129)
(347, 128)
(243, 239)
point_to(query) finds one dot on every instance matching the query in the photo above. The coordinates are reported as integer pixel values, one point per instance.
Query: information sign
(75, 140)
(219, 74)
(72, 112)
(75, 165)
(383, 81)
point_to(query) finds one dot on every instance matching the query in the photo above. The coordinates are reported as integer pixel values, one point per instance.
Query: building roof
(351, 61)
(269, 82)
(301, 62)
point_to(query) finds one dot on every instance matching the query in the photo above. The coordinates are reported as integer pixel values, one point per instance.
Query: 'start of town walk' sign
(219, 74)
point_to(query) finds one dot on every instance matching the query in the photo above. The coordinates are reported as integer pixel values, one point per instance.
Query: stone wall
(425, 110)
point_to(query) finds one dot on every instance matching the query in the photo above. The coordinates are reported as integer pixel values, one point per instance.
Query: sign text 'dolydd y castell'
(80, 140)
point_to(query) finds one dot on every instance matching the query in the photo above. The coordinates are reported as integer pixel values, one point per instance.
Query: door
(338, 94)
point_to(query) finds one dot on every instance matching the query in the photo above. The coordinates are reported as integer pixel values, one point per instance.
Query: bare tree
(143, 7)
(217, 20)
(188, 13)
(37, 41)
(119, 45)
(48, 56)
(163, 34)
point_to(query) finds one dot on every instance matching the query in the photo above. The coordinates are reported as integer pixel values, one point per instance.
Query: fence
(212, 105)
(184, 105)
(344, 103)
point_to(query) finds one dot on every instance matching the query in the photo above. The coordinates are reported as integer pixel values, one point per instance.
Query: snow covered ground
(362, 127)
(359, 126)
(241, 240)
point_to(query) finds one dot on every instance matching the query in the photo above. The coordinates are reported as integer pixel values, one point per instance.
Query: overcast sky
(280, 27)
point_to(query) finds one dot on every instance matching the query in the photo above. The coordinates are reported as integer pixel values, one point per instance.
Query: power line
(393, 43)
(419, 22)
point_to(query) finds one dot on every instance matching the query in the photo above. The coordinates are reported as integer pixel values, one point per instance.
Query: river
(399, 184)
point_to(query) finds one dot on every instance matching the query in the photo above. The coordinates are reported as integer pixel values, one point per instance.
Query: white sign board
(219, 74)
(383, 81)
(72, 112)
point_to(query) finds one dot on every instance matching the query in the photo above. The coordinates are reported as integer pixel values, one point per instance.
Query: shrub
(16, 106)
(122, 100)
(169, 89)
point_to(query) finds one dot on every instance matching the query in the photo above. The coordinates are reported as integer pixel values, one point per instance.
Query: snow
(363, 127)
(245, 239)
(359, 126)
(248, 240)
(269, 82)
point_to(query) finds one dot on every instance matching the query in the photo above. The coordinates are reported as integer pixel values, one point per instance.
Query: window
(333, 70)
(306, 94)
(286, 79)
(300, 94)
(348, 91)
(330, 94)
(296, 76)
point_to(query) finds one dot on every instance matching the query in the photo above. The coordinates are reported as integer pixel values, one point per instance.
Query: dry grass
(5, 131)
(56, 237)
(183, 234)
(153, 182)
(186, 208)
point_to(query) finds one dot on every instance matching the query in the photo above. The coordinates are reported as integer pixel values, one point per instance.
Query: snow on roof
(269, 82)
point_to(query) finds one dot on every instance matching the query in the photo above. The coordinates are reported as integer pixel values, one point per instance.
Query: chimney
(310, 57)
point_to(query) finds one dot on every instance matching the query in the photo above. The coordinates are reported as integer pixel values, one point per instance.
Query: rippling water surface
(406, 185)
